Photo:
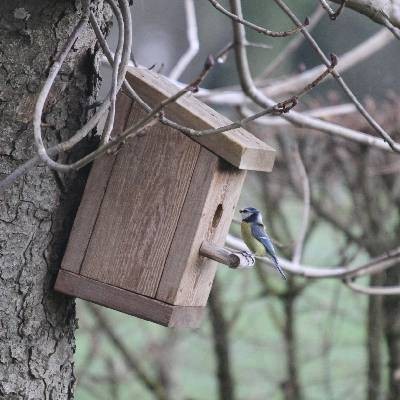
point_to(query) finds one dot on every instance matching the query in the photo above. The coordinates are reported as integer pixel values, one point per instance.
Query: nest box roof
(237, 146)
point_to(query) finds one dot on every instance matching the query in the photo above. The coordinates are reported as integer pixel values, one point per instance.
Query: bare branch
(385, 136)
(296, 119)
(105, 137)
(193, 39)
(332, 14)
(380, 11)
(292, 46)
(321, 113)
(298, 250)
(290, 85)
(84, 131)
(373, 290)
(239, 19)
(374, 266)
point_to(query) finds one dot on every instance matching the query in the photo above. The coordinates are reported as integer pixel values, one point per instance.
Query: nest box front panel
(140, 210)
(206, 215)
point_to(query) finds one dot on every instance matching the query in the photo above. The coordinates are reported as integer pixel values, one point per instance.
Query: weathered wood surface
(95, 189)
(148, 208)
(238, 146)
(141, 208)
(233, 259)
(128, 302)
(187, 277)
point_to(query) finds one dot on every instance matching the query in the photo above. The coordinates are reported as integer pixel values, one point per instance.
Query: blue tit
(255, 237)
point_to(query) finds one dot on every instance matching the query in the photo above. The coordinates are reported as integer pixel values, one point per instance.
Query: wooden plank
(92, 198)
(141, 208)
(238, 146)
(187, 277)
(128, 302)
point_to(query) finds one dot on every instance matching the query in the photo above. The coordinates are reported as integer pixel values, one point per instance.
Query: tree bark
(37, 325)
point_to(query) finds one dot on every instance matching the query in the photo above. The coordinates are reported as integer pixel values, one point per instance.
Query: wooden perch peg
(233, 259)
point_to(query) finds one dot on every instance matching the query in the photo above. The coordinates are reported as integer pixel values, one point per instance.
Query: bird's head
(250, 214)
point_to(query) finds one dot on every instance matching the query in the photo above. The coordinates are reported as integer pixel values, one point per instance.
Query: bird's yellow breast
(252, 243)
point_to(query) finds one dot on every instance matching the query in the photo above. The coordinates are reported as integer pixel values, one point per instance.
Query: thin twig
(146, 122)
(292, 84)
(222, 54)
(395, 31)
(239, 19)
(322, 113)
(92, 122)
(295, 118)
(105, 137)
(293, 45)
(332, 14)
(353, 98)
(37, 119)
(301, 170)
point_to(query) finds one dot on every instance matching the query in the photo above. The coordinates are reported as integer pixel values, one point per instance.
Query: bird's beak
(241, 211)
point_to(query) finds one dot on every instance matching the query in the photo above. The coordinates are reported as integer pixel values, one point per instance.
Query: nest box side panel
(141, 207)
(95, 188)
(206, 215)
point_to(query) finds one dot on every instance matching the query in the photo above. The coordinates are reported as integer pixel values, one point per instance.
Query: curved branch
(105, 137)
(193, 39)
(84, 131)
(239, 19)
(374, 266)
(378, 10)
(373, 290)
(298, 249)
(332, 14)
(385, 136)
(229, 96)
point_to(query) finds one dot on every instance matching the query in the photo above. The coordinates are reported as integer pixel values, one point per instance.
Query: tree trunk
(36, 213)
(220, 332)
(374, 340)
(391, 309)
(291, 388)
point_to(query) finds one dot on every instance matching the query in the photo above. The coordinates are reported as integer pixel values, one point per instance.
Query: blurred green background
(330, 320)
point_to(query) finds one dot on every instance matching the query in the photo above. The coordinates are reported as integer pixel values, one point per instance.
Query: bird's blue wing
(259, 233)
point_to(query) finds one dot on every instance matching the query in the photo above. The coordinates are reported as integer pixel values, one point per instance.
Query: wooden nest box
(147, 209)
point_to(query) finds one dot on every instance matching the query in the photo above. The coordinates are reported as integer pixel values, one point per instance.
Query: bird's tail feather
(278, 267)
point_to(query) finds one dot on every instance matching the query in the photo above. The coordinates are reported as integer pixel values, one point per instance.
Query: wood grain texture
(187, 276)
(128, 302)
(238, 146)
(141, 208)
(92, 198)
(233, 259)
